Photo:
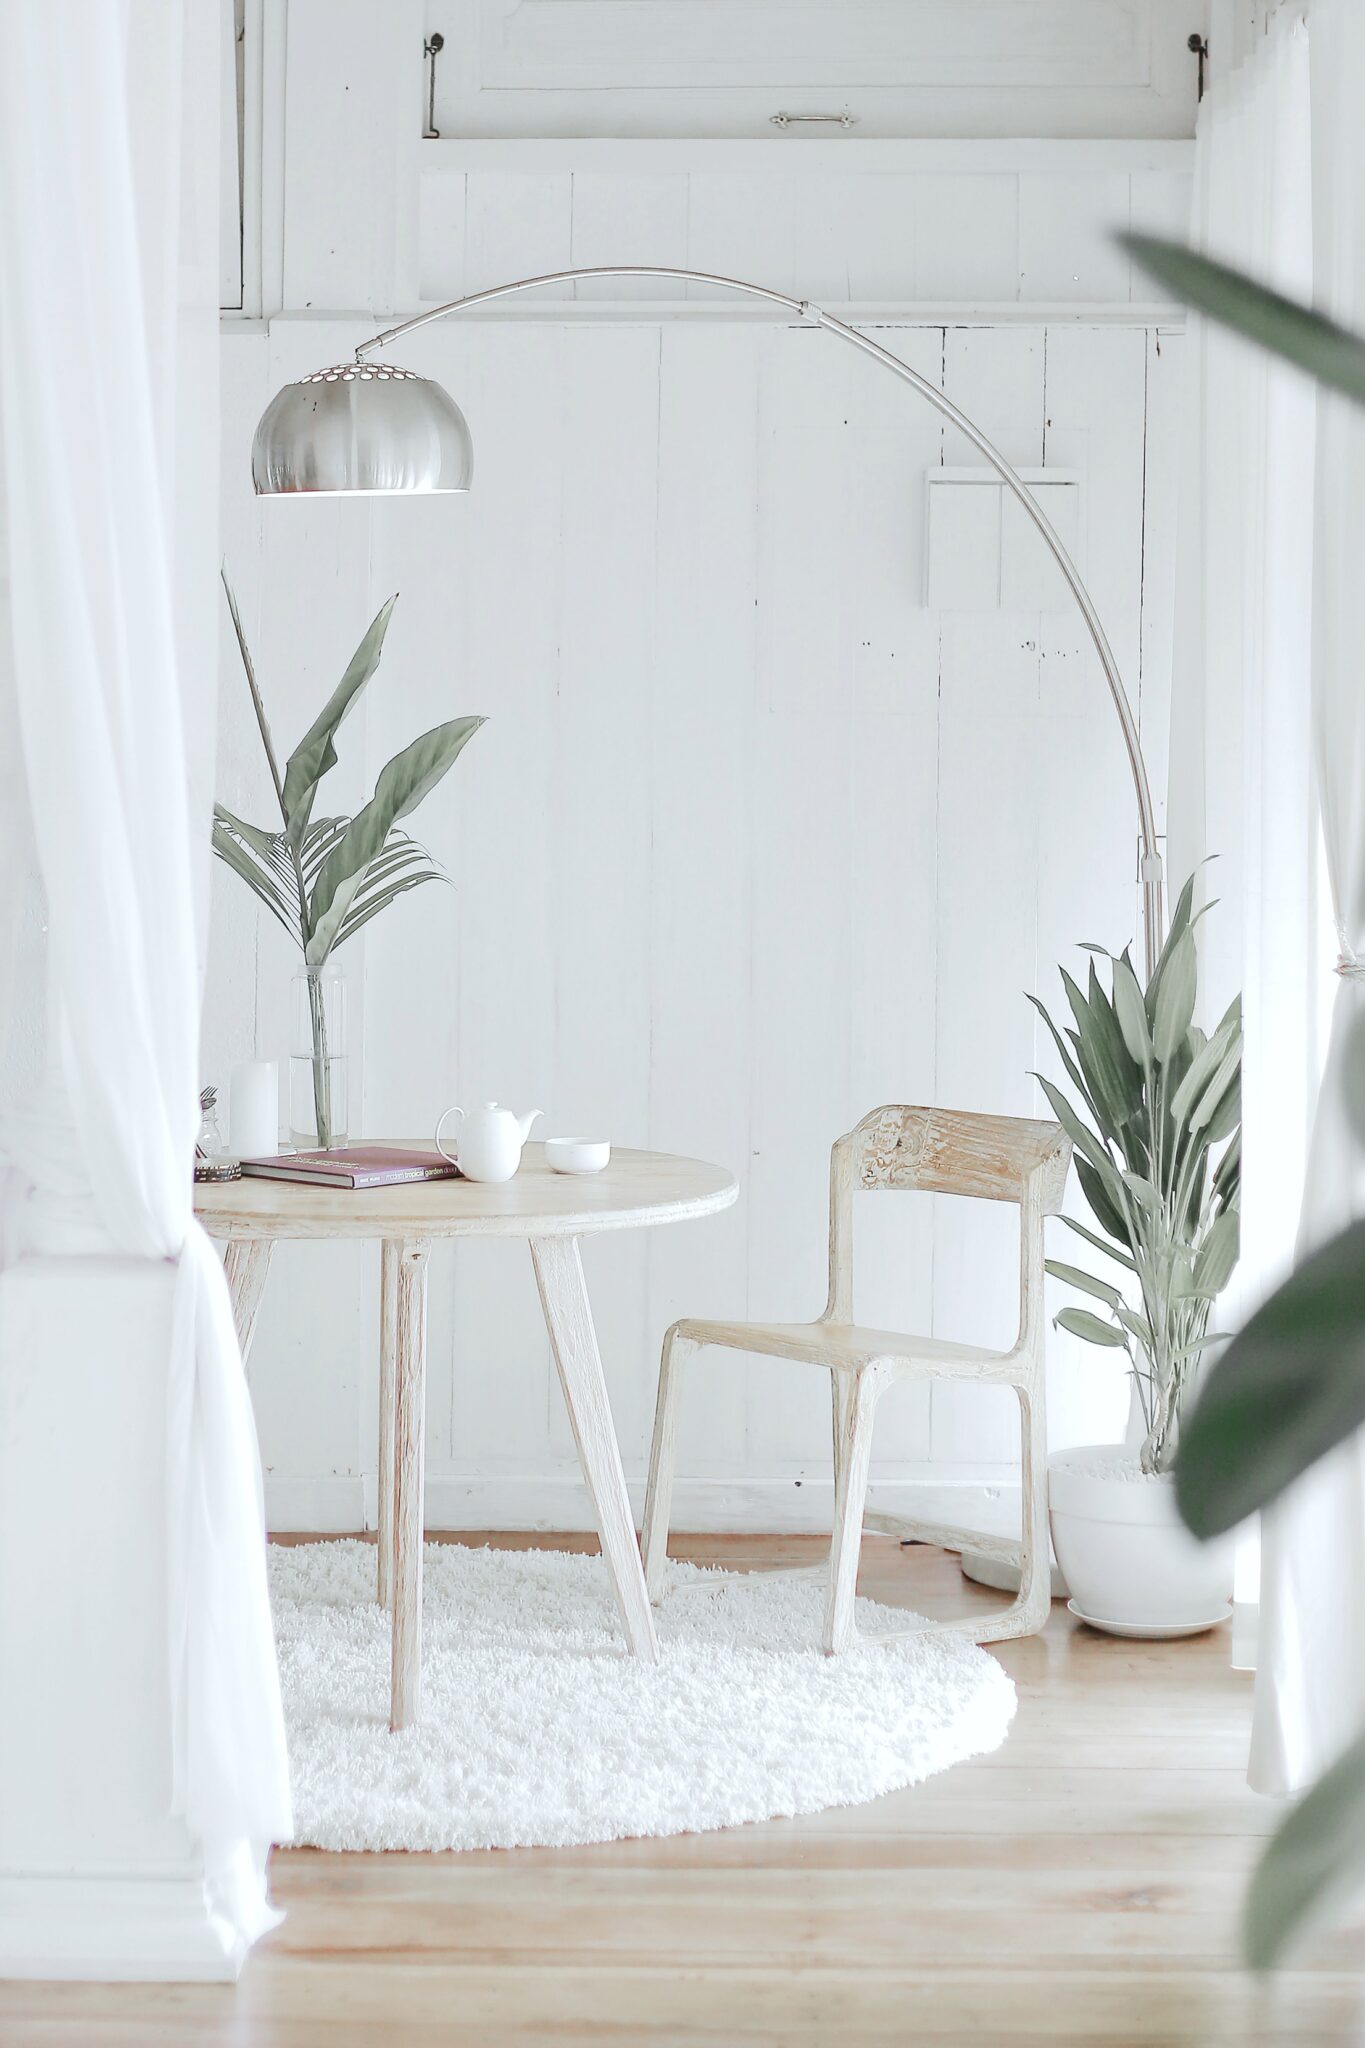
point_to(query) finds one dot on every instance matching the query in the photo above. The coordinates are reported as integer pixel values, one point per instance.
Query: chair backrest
(957, 1152)
(949, 1152)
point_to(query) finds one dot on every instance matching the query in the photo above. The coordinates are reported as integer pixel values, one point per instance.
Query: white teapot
(490, 1141)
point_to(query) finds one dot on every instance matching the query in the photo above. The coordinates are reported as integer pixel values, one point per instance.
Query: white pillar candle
(254, 1109)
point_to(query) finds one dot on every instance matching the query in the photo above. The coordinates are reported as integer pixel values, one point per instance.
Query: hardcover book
(355, 1166)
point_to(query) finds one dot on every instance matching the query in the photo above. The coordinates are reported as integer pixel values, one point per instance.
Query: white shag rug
(538, 1728)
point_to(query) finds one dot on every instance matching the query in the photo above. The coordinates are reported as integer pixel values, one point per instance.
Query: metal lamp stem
(1153, 915)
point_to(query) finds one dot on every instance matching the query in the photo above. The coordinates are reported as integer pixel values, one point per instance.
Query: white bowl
(577, 1155)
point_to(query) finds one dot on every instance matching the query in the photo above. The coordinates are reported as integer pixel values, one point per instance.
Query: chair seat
(847, 1345)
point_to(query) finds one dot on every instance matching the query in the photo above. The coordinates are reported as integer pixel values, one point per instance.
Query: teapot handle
(449, 1157)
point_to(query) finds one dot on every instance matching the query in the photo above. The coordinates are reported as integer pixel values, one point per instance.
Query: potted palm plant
(323, 879)
(1155, 1120)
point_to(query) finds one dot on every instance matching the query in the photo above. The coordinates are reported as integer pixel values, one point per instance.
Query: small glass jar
(211, 1162)
(318, 1070)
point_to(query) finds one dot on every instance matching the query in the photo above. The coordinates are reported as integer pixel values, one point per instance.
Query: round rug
(538, 1728)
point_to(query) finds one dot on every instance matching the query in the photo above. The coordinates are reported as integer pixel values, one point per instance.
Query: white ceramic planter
(1129, 1561)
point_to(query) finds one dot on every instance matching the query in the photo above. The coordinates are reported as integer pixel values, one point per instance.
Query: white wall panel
(601, 803)
(615, 212)
(966, 236)
(855, 235)
(853, 222)
(736, 216)
(1067, 230)
(986, 904)
(702, 844)
(517, 224)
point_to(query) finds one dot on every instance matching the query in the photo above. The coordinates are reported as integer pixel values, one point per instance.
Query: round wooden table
(552, 1211)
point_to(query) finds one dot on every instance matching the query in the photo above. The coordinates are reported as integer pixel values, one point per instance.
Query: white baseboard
(777, 1506)
(104, 1930)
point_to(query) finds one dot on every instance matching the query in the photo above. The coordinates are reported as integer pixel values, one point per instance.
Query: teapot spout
(524, 1123)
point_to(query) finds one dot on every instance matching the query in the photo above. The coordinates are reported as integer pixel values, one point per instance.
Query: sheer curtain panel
(1310, 1691)
(1241, 773)
(108, 319)
(1241, 767)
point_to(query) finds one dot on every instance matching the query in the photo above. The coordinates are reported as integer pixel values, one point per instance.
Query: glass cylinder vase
(318, 1070)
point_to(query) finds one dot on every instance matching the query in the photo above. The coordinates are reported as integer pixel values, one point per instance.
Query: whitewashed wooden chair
(939, 1151)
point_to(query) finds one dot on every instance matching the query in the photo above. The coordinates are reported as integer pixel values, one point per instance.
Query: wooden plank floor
(1081, 1885)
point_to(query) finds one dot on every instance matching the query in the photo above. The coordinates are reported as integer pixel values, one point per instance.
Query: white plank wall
(751, 842)
(866, 223)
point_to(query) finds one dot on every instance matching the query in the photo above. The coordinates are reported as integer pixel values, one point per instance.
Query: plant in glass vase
(322, 879)
(1156, 1128)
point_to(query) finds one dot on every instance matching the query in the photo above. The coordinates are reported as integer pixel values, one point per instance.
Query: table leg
(247, 1263)
(389, 1256)
(568, 1318)
(410, 1371)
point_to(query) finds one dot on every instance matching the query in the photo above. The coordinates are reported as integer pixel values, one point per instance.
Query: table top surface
(634, 1190)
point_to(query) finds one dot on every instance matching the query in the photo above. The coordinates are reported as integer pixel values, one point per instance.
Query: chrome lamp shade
(370, 428)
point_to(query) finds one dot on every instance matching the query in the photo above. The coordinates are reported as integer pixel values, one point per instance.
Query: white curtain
(108, 275)
(1242, 785)
(1310, 1694)
(1241, 782)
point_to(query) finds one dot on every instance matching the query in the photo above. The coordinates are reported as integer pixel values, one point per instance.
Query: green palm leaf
(1224, 1085)
(315, 753)
(1107, 1212)
(1180, 924)
(254, 836)
(1227, 1180)
(1199, 1073)
(1131, 1012)
(258, 875)
(401, 865)
(1068, 1062)
(1314, 1860)
(1296, 332)
(318, 841)
(1136, 1325)
(1289, 1387)
(366, 907)
(402, 784)
(1082, 1137)
(1115, 1083)
(1173, 1006)
(1110, 1251)
(1092, 1329)
(1075, 1277)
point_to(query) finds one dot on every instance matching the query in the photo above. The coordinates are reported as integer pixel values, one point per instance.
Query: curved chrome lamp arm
(814, 316)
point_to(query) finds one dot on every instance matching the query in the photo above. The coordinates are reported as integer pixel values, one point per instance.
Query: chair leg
(1028, 1613)
(855, 1401)
(842, 1386)
(1035, 1579)
(662, 1458)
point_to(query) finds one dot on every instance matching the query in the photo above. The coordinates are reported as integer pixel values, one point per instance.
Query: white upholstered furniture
(939, 1151)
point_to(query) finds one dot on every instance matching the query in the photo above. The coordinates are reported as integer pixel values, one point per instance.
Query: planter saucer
(1148, 1631)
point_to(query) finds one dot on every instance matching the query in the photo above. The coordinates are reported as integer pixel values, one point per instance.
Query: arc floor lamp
(375, 429)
